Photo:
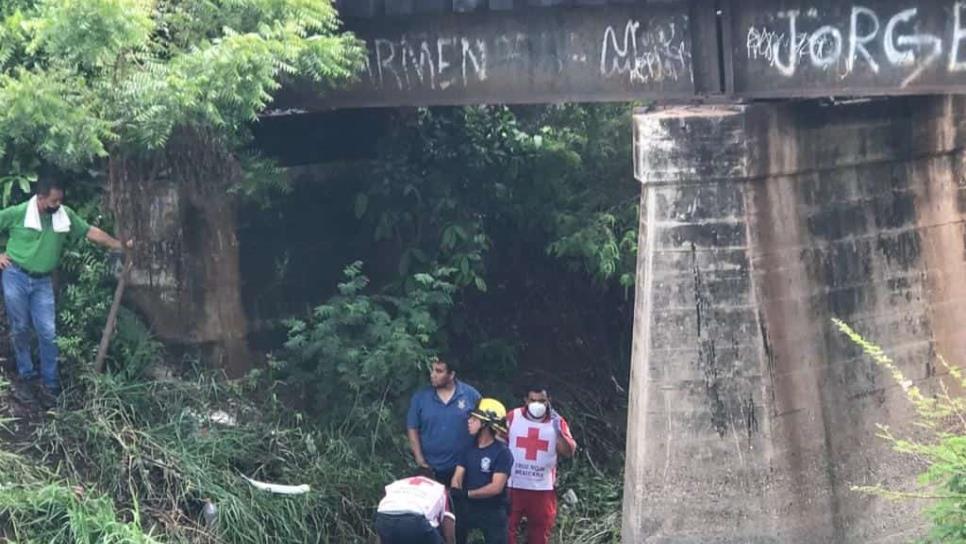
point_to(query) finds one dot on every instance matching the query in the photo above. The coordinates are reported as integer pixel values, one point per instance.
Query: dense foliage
(83, 79)
(450, 183)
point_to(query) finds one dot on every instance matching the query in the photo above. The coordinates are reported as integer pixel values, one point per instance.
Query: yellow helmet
(492, 412)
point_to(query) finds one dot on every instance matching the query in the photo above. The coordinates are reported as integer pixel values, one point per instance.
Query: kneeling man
(415, 511)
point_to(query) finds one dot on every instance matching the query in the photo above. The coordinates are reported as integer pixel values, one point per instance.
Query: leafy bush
(81, 79)
(359, 352)
(85, 293)
(943, 417)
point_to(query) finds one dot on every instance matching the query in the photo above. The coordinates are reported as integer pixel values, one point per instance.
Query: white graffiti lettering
(436, 64)
(910, 44)
(761, 44)
(477, 58)
(896, 57)
(442, 63)
(384, 61)
(654, 51)
(959, 33)
(825, 46)
(860, 45)
(645, 54)
(788, 69)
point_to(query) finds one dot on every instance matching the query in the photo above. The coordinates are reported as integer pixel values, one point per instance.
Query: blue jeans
(30, 302)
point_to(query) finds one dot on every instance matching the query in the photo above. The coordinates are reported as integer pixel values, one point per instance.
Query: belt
(33, 275)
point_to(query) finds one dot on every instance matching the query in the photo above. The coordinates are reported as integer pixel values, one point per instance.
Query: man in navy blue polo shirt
(437, 420)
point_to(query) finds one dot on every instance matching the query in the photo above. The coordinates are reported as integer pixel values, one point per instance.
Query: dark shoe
(23, 391)
(44, 396)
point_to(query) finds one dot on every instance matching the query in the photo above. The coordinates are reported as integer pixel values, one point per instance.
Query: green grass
(56, 513)
(596, 517)
(150, 458)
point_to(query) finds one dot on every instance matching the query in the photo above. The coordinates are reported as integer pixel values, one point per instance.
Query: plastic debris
(210, 513)
(279, 488)
(222, 418)
(570, 497)
(219, 417)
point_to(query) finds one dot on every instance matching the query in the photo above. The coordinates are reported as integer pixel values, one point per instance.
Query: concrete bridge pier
(750, 416)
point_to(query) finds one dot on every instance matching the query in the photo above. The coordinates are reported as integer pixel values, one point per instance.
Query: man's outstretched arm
(102, 238)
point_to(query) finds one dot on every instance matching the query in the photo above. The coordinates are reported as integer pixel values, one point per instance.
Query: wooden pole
(112, 315)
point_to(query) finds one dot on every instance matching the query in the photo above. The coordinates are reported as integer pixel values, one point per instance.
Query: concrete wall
(186, 280)
(750, 416)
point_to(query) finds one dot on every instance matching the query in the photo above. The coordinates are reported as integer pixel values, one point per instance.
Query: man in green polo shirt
(37, 230)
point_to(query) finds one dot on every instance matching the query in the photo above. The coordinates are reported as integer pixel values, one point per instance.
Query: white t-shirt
(417, 495)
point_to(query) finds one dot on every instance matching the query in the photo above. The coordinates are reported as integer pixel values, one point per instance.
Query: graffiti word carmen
(434, 63)
(845, 48)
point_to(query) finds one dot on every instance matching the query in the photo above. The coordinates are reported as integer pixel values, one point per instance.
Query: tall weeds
(158, 452)
(942, 416)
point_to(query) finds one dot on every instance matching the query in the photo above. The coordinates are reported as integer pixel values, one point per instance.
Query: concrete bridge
(432, 52)
(750, 417)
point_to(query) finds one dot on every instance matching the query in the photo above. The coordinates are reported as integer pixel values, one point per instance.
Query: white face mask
(537, 409)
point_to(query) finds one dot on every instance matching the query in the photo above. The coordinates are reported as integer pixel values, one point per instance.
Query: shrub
(359, 353)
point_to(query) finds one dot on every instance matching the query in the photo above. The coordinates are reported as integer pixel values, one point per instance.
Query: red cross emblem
(416, 480)
(532, 443)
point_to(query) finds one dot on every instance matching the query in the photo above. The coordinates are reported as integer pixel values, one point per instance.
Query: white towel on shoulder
(32, 219)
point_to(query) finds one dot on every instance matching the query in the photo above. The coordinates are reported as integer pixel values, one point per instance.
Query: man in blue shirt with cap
(436, 420)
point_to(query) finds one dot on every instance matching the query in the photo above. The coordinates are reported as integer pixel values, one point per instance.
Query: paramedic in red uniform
(537, 436)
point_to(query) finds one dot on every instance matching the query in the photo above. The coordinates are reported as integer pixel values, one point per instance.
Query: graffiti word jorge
(897, 38)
